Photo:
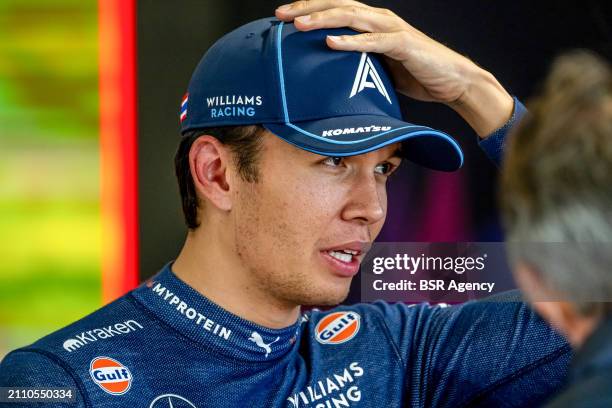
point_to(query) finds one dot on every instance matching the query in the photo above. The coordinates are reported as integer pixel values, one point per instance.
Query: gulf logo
(337, 327)
(113, 377)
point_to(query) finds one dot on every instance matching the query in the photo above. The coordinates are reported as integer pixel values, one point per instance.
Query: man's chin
(326, 297)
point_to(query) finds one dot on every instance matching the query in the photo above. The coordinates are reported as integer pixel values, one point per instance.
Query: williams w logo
(366, 69)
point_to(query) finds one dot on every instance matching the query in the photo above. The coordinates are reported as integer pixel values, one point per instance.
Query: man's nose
(366, 201)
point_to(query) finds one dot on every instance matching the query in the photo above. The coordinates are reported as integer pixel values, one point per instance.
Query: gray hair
(556, 193)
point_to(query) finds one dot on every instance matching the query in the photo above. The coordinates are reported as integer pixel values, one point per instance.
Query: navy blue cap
(329, 102)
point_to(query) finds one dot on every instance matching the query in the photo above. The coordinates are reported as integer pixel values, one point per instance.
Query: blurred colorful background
(60, 199)
(49, 172)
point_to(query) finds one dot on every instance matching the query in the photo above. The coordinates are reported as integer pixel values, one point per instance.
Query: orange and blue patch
(113, 377)
(337, 327)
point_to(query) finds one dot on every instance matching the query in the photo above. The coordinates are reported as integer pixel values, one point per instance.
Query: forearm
(484, 105)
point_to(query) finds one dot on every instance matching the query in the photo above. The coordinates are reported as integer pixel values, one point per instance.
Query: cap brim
(358, 134)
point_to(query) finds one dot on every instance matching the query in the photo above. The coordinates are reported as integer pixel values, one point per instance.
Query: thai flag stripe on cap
(184, 107)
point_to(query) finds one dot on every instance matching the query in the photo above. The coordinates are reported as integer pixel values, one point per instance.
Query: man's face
(294, 229)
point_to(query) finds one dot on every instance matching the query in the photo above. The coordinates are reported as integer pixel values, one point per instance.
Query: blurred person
(557, 208)
(291, 129)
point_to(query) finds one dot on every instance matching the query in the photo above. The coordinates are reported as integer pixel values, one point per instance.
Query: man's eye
(385, 168)
(333, 161)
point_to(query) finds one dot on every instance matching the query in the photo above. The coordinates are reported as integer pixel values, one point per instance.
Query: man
(557, 202)
(288, 143)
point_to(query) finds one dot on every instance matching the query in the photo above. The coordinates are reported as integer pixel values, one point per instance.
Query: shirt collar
(184, 309)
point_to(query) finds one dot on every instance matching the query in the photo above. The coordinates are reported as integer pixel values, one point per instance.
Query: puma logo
(257, 339)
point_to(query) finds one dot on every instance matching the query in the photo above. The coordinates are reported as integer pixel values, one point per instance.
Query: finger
(390, 44)
(365, 19)
(289, 11)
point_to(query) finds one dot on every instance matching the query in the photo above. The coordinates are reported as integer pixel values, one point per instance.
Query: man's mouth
(345, 255)
(344, 259)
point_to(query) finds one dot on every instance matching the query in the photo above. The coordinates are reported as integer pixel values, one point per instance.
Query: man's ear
(541, 298)
(209, 162)
(530, 282)
(548, 303)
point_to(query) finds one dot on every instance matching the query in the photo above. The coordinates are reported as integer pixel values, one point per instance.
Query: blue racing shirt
(165, 345)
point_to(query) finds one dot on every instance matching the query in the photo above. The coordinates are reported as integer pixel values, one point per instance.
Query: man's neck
(580, 330)
(208, 266)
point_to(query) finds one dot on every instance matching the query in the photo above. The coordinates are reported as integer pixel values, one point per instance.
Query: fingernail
(303, 19)
(284, 7)
(334, 38)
